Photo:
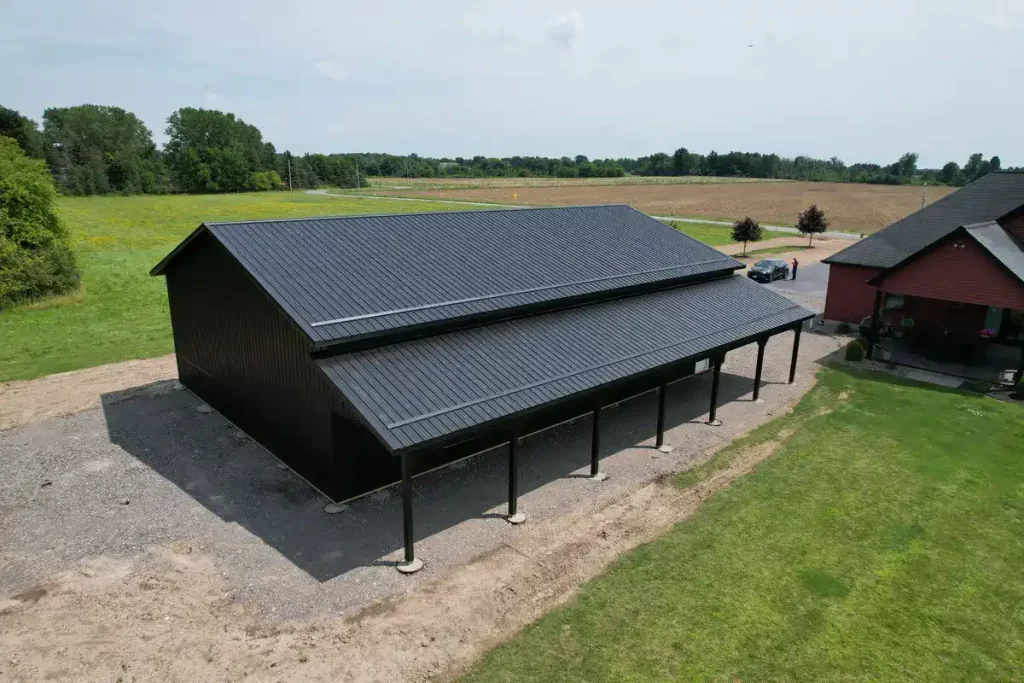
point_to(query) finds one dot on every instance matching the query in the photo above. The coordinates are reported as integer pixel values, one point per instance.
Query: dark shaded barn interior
(364, 350)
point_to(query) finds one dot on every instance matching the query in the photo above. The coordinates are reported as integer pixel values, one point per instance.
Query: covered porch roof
(438, 390)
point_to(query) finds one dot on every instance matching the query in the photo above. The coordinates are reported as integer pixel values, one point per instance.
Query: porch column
(411, 564)
(873, 333)
(659, 441)
(595, 447)
(514, 517)
(716, 373)
(1017, 376)
(757, 369)
(796, 350)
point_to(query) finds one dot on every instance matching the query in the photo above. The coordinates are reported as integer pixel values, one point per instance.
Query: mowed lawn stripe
(882, 542)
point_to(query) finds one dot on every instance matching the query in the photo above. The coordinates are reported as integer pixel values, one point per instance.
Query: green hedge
(36, 258)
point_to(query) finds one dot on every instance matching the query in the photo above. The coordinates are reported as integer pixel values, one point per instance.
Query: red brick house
(948, 279)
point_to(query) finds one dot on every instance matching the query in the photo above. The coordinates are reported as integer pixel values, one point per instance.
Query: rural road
(773, 228)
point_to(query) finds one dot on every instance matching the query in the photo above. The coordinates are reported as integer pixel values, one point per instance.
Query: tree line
(92, 149)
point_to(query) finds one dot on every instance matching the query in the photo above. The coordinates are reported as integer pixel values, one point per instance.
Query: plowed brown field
(850, 207)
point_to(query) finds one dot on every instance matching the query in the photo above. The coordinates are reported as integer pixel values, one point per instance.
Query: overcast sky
(863, 80)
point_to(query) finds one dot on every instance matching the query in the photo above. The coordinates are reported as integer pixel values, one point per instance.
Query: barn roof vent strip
(590, 368)
(455, 302)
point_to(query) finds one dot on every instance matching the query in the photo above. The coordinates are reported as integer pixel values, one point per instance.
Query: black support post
(411, 564)
(796, 350)
(760, 364)
(715, 375)
(660, 440)
(595, 442)
(873, 332)
(514, 516)
(513, 477)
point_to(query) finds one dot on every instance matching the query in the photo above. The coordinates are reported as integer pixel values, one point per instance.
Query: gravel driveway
(147, 470)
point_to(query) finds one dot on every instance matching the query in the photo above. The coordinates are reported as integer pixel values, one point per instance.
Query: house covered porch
(968, 340)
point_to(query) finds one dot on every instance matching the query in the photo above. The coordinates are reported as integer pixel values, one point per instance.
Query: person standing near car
(796, 264)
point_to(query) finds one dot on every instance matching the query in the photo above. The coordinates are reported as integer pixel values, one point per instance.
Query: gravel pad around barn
(124, 498)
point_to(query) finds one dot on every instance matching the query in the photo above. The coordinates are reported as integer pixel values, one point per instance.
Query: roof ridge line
(421, 213)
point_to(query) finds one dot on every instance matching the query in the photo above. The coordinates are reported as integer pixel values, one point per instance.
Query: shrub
(843, 328)
(36, 258)
(1019, 391)
(855, 350)
(264, 181)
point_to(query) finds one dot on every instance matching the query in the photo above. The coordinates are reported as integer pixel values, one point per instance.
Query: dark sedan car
(769, 270)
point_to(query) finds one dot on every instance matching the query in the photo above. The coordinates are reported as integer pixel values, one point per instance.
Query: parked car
(769, 270)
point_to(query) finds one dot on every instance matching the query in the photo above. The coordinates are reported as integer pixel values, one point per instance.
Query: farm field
(120, 312)
(418, 184)
(850, 207)
(879, 543)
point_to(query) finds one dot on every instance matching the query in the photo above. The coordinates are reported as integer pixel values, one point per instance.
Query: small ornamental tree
(811, 222)
(746, 230)
(35, 247)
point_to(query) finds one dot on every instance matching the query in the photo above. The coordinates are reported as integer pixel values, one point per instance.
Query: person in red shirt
(796, 264)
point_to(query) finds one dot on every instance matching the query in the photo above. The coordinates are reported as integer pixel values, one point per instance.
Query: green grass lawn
(121, 312)
(883, 542)
(708, 233)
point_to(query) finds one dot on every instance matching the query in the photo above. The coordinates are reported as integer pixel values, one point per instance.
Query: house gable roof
(989, 198)
(366, 277)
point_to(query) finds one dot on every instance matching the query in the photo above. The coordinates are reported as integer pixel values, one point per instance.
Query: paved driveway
(808, 289)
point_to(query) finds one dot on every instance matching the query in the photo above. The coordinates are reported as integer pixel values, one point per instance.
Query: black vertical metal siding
(238, 352)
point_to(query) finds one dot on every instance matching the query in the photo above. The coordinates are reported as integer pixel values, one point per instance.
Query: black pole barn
(367, 350)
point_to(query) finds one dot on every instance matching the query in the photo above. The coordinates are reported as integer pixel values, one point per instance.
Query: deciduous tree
(213, 151)
(23, 130)
(93, 149)
(746, 230)
(811, 222)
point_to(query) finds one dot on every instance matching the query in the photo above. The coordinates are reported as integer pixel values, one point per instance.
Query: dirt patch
(167, 615)
(849, 206)
(71, 392)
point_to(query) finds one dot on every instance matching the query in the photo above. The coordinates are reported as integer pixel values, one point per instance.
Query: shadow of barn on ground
(243, 484)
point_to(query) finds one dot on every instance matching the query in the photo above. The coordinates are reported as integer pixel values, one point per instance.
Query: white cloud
(329, 68)
(567, 30)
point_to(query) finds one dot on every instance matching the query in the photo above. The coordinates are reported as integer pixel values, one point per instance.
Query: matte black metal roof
(994, 239)
(431, 389)
(362, 276)
(989, 198)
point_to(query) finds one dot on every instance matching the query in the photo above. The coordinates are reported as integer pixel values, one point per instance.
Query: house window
(893, 302)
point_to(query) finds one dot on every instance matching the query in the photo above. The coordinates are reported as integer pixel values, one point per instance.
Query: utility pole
(924, 195)
(357, 177)
(289, 171)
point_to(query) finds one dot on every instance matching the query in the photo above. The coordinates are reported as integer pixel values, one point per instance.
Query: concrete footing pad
(333, 508)
(600, 476)
(665, 449)
(517, 518)
(714, 423)
(410, 567)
